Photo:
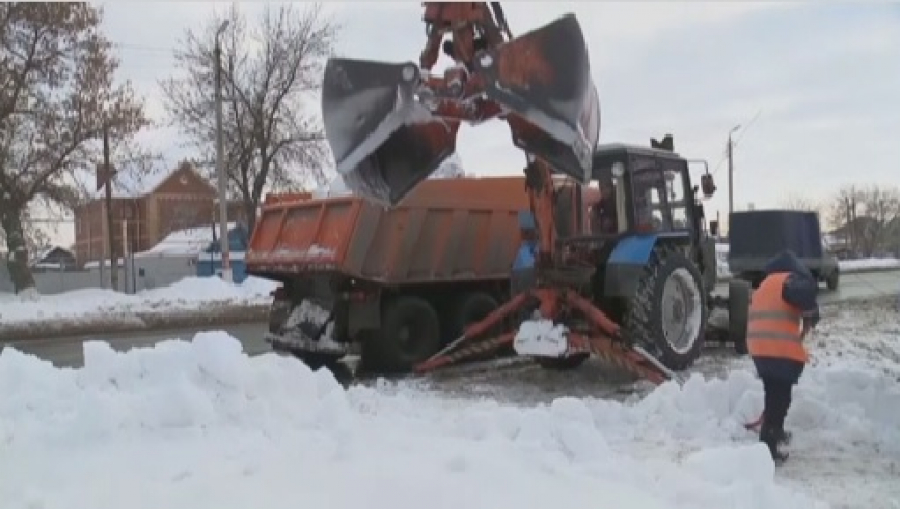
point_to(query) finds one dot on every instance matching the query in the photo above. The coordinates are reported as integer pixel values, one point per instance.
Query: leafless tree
(869, 217)
(799, 202)
(56, 92)
(272, 137)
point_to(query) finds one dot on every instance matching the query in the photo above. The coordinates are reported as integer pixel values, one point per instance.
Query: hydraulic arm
(391, 125)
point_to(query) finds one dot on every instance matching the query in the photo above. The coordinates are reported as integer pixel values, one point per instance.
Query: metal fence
(134, 274)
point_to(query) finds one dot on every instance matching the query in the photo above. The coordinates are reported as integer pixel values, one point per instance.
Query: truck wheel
(832, 281)
(668, 313)
(410, 333)
(473, 308)
(738, 310)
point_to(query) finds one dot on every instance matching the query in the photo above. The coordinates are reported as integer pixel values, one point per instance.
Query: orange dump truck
(393, 285)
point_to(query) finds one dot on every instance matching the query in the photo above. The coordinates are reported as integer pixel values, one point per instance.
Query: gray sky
(824, 77)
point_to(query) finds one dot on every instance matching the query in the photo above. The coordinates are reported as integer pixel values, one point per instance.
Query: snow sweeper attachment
(391, 125)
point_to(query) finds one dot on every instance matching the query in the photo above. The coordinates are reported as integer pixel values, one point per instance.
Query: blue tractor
(644, 255)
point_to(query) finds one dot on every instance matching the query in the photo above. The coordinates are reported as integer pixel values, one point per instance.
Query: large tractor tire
(739, 293)
(668, 314)
(410, 333)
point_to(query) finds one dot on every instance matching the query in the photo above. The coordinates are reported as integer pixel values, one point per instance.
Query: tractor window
(650, 214)
(659, 200)
(677, 199)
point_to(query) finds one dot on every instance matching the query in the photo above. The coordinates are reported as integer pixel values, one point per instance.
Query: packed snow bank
(869, 264)
(191, 424)
(865, 264)
(188, 294)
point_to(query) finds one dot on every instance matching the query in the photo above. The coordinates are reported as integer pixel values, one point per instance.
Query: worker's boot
(772, 437)
(785, 437)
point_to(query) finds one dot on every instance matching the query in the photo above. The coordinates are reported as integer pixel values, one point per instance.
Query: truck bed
(445, 230)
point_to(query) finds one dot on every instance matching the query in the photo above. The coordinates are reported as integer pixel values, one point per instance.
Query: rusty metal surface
(448, 229)
(544, 77)
(390, 128)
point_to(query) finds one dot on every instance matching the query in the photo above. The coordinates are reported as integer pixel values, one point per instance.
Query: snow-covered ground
(188, 294)
(847, 266)
(198, 424)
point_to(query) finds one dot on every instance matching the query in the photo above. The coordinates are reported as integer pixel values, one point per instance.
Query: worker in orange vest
(782, 312)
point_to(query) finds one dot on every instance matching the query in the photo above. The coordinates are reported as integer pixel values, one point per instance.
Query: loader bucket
(382, 139)
(544, 78)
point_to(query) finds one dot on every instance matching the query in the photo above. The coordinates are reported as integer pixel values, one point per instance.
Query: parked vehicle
(755, 236)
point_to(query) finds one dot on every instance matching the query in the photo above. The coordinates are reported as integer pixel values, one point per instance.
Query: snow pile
(452, 167)
(541, 338)
(870, 264)
(334, 188)
(188, 242)
(188, 294)
(200, 425)
(309, 318)
(865, 264)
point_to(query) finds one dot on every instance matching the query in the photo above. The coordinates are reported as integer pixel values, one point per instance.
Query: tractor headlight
(618, 169)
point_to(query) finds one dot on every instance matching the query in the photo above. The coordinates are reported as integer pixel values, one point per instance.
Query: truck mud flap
(543, 77)
(373, 122)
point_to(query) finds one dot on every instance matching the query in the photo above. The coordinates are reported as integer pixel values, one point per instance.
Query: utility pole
(108, 175)
(731, 172)
(220, 162)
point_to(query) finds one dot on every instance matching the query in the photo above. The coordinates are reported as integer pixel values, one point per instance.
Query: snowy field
(198, 424)
(847, 266)
(189, 294)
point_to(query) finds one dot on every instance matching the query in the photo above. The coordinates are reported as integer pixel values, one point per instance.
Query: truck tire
(410, 333)
(833, 280)
(472, 308)
(668, 314)
(738, 311)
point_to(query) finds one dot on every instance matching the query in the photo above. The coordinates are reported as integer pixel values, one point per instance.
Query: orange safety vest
(774, 326)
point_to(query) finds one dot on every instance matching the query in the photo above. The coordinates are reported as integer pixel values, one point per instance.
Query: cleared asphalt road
(67, 351)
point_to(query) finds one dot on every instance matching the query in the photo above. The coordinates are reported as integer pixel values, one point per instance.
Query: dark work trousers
(777, 403)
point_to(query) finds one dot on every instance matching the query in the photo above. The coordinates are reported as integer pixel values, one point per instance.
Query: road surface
(68, 352)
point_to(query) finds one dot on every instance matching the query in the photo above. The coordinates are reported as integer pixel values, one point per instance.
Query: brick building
(152, 208)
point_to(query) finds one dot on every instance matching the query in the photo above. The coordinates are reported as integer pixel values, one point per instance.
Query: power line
(734, 143)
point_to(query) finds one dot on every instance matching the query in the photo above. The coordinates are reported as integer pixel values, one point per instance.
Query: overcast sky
(823, 79)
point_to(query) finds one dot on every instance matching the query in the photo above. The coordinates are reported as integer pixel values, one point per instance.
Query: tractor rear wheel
(668, 314)
(739, 293)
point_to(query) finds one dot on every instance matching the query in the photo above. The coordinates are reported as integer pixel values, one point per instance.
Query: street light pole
(220, 162)
(731, 172)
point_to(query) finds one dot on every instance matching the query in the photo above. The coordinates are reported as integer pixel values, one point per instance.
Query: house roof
(42, 254)
(189, 241)
(129, 185)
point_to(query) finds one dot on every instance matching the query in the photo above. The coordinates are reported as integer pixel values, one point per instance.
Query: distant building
(152, 207)
(53, 259)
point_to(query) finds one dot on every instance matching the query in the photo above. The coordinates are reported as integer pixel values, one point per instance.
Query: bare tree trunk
(250, 213)
(19, 272)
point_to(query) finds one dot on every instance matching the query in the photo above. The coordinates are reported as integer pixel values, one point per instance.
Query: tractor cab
(637, 196)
